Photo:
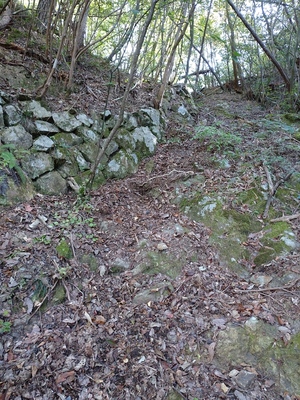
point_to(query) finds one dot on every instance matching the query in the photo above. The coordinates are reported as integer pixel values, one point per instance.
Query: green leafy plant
(5, 326)
(9, 157)
(42, 239)
(73, 219)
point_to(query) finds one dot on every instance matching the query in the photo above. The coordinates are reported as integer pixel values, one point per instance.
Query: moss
(64, 250)
(59, 295)
(82, 178)
(246, 223)
(292, 117)
(91, 261)
(277, 239)
(296, 135)
(254, 198)
(164, 263)
(284, 360)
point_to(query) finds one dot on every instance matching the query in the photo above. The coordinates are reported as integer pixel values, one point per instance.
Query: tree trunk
(237, 74)
(169, 67)
(43, 14)
(134, 63)
(262, 45)
(41, 91)
(78, 39)
(5, 15)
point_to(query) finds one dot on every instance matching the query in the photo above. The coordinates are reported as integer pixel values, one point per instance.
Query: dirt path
(110, 322)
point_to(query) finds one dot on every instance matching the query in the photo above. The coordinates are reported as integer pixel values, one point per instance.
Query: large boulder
(145, 141)
(12, 115)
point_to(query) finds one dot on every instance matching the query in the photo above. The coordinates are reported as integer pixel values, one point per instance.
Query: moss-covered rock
(260, 345)
(156, 262)
(59, 295)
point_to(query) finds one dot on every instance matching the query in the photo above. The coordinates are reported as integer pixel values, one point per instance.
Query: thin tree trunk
(237, 75)
(126, 37)
(43, 89)
(81, 26)
(187, 68)
(119, 121)
(203, 39)
(263, 46)
(168, 70)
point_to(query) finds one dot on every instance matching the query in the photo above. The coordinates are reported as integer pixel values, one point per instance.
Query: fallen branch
(285, 218)
(43, 300)
(273, 189)
(28, 52)
(269, 179)
(183, 174)
(273, 289)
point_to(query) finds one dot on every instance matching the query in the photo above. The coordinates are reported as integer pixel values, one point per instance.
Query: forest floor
(76, 329)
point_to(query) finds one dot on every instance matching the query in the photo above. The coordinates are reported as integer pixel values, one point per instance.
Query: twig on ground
(184, 173)
(72, 247)
(66, 289)
(269, 179)
(274, 189)
(271, 289)
(285, 218)
(42, 302)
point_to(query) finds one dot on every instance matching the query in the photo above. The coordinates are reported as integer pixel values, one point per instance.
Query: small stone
(224, 388)
(219, 322)
(239, 395)
(162, 246)
(233, 372)
(244, 379)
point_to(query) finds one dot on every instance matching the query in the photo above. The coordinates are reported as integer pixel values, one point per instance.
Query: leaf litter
(96, 340)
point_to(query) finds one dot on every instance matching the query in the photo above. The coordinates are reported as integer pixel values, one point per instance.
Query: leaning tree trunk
(263, 46)
(5, 15)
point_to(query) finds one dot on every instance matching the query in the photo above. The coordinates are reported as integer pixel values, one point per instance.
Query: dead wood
(273, 189)
(28, 52)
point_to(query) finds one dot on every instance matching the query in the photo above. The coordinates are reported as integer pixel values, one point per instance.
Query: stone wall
(41, 150)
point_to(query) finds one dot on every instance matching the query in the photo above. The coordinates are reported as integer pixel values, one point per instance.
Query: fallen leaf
(28, 208)
(224, 387)
(211, 350)
(99, 320)
(34, 369)
(29, 304)
(64, 376)
(88, 317)
(162, 246)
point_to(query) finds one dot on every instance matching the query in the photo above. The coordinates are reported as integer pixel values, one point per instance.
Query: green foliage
(5, 326)
(9, 157)
(73, 218)
(42, 239)
(217, 139)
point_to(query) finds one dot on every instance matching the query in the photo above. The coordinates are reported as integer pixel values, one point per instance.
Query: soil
(75, 328)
